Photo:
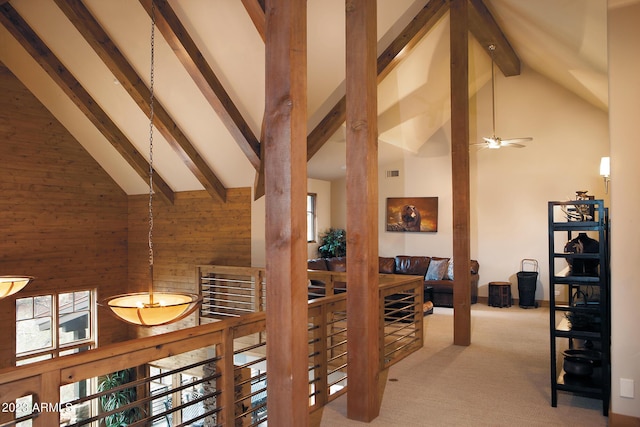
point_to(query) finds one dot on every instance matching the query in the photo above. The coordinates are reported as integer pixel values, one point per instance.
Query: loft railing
(233, 291)
(209, 375)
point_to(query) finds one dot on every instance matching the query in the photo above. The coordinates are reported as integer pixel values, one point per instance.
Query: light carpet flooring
(501, 379)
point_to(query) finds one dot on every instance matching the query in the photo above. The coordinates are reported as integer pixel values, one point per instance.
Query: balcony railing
(233, 291)
(209, 375)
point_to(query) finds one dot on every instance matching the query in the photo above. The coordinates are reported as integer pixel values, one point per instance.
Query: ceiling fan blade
(479, 144)
(511, 144)
(517, 140)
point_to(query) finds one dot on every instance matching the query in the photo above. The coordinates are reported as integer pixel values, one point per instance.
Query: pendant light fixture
(152, 308)
(10, 285)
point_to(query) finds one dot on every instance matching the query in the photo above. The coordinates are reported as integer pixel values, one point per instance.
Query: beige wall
(324, 202)
(322, 189)
(510, 187)
(624, 107)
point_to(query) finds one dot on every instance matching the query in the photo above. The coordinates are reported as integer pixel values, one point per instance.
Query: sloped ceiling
(564, 40)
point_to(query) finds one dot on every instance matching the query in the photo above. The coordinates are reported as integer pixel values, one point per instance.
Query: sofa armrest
(475, 278)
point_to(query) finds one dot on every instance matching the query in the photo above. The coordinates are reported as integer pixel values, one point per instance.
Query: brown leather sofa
(438, 286)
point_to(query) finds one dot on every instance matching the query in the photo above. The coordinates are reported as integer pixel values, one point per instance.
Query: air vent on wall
(393, 174)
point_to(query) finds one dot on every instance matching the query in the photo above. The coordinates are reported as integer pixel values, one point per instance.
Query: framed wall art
(412, 214)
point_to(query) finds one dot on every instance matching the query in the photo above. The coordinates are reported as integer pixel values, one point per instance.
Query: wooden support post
(363, 317)
(49, 396)
(285, 164)
(227, 383)
(460, 171)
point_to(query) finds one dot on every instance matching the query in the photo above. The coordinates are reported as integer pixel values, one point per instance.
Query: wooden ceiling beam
(410, 36)
(194, 62)
(424, 20)
(107, 50)
(255, 9)
(486, 31)
(17, 26)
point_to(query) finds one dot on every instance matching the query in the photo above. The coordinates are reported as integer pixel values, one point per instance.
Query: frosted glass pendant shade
(10, 285)
(158, 308)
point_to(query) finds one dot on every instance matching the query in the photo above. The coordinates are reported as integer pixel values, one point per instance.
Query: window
(49, 326)
(54, 325)
(311, 217)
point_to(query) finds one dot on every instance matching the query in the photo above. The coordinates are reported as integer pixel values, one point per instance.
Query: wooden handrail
(399, 336)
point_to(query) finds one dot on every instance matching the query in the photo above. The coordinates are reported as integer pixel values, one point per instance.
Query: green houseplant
(118, 398)
(333, 243)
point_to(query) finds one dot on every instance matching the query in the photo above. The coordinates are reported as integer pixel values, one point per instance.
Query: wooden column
(460, 171)
(363, 319)
(285, 164)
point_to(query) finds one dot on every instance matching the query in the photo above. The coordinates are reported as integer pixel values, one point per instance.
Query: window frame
(56, 349)
(312, 223)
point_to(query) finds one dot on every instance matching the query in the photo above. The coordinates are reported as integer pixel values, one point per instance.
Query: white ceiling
(564, 40)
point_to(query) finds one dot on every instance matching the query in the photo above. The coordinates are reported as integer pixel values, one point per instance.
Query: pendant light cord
(151, 80)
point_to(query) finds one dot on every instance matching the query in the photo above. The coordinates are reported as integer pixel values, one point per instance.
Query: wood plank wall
(65, 221)
(195, 230)
(62, 218)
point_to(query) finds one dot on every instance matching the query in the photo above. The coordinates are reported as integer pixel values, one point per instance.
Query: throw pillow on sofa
(449, 274)
(437, 269)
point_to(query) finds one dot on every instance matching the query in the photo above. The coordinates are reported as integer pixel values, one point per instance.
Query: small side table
(500, 294)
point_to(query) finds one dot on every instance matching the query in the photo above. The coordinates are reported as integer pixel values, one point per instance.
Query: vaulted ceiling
(89, 63)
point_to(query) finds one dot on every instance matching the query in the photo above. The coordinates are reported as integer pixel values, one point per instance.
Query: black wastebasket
(527, 284)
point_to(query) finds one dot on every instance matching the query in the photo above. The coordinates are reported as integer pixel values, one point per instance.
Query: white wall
(258, 229)
(323, 192)
(510, 187)
(624, 105)
(322, 189)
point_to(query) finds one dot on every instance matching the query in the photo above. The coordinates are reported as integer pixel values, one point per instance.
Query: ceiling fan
(494, 141)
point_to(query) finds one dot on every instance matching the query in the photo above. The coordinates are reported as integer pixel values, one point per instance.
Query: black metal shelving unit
(582, 294)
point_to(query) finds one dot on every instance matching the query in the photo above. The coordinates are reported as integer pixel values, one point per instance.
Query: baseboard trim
(515, 301)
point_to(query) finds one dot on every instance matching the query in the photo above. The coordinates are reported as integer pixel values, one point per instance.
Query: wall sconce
(605, 172)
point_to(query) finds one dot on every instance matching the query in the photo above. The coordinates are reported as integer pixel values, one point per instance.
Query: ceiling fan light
(496, 142)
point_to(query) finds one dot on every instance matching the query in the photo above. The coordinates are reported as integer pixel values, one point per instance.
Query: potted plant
(333, 243)
(118, 398)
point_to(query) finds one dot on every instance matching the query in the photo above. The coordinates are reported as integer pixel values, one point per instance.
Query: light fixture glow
(605, 172)
(153, 309)
(10, 285)
(160, 308)
(605, 166)
(494, 144)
